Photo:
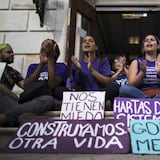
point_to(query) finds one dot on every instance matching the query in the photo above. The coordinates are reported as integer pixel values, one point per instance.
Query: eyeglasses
(116, 61)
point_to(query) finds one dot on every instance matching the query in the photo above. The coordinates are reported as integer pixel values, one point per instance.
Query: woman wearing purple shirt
(49, 70)
(120, 70)
(92, 73)
(143, 78)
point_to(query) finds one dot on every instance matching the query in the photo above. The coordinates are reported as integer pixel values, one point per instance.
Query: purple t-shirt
(60, 68)
(151, 78)
(85, 79)
(122, 79)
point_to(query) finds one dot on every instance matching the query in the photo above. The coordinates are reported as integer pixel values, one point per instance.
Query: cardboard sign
(72, 136)
(2, 68)
(145, 136)
(132, 108)
(83, 105)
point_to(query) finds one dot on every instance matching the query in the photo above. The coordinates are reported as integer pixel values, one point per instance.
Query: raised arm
(135, 77)
(102, 79)
(53, 79)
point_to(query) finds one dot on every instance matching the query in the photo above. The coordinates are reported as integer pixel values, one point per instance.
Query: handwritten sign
(145, 136)
(83, 105)
(132, 108)
(72, 136)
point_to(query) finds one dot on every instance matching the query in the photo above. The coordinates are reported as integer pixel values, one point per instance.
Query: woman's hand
(75, 61)
(121, 67)
(43, 59)
(143, 64)
(157, 67)
(90, 68)
(47, 52)
(50, 52)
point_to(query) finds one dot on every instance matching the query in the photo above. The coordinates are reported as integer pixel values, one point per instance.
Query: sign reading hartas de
(72, 136)
(145, 136)
(83, 105)
(132, 108)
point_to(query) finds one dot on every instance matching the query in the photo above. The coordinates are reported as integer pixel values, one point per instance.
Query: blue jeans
(12, 109)
(130, 91)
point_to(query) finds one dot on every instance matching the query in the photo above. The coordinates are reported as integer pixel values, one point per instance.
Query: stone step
(56, 114)
(6, 134)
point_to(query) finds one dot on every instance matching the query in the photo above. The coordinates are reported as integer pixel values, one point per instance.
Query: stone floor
(12, 156)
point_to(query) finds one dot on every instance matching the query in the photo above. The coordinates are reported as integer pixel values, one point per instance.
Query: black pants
(112, 91)
(57, 94)
(10, 107)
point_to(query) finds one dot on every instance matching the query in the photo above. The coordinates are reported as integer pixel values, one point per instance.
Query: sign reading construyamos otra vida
(71, 136)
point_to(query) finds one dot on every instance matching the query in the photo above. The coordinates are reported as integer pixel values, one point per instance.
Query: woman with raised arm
(92, 73)
(120, 70)
(143, 78)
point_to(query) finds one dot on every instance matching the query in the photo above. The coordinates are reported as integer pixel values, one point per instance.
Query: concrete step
(56, 114)
(6, 133)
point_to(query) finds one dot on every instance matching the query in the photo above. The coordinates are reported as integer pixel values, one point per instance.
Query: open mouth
(149, 45)
(87, 47)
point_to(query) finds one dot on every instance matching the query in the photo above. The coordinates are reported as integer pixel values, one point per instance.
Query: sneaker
(2, 119)
(30, 116)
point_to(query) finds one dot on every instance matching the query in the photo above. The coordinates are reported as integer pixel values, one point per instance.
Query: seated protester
(120, 70)
(50, 70)
(11, 112)
(143, 79)
(92, 73)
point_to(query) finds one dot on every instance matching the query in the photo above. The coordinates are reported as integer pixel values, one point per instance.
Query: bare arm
(134, 77)
(157, 65)
(47, 57)
(53, 79)
(118, 72)
(76, 62)
(126, 70)
(34, 75)
(125, 67)
(5, 90)
(104, 80)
